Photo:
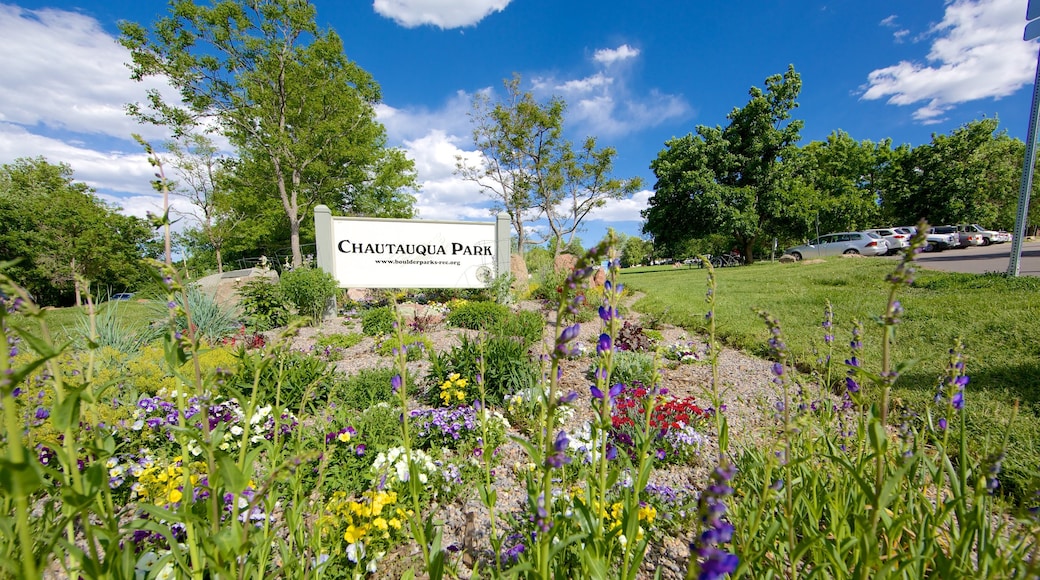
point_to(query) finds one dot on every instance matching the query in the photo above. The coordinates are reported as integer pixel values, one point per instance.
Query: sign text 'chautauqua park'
(395, 253)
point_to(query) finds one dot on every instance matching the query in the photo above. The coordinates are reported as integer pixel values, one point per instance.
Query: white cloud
(103, 170)
(596, 81)
(977, 53)
(63, 71)
(440, 13)
(622, 210)
(609, 56)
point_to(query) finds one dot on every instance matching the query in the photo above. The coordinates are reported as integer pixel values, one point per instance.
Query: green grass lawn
(995, 316)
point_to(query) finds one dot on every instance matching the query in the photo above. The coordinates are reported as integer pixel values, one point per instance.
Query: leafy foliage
(377, 321)
(211, 321)
(633, 337)
(630, 368)
(508, 367)
(264, 304)
(59, 229)
(296, 380)
(729, 179)
(310, 290)
(366, 388)
(478, 315)
(524, 324)
(414, 344)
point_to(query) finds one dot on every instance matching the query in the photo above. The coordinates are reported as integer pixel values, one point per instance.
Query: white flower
(236, 430)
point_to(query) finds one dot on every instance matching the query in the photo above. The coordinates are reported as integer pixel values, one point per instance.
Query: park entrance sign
(394, 253)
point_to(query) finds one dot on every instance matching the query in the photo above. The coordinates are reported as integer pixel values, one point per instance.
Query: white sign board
(389, 253)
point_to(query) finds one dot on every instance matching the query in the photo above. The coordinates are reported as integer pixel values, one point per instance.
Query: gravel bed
(747, 392)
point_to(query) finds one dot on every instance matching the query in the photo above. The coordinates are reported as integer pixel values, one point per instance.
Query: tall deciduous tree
(61, 231)
(587, 184)
(970, 175)
(521, 146)
(728, 180)
(282, 91)
(202, 179)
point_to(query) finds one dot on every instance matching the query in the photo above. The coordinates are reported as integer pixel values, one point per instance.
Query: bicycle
(726, 260)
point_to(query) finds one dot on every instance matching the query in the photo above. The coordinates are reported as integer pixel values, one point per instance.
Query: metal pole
(1027, 180)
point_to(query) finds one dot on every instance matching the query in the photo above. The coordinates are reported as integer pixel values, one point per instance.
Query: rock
(223, 288)
(599, 277)
(565, 262)
(357, 294)
(787, 259)
(518, 268)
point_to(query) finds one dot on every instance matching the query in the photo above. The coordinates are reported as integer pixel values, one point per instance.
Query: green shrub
(547, 281)
(508, 367)
(263, 304)
(343, 341)
(367, 388)
(478, 315)
(631, 367)
(525, 324)
(291, 378)
(310, 290)
(377, 321)
(415, 344)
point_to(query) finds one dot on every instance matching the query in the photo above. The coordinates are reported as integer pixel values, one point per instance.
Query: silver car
(865, 243)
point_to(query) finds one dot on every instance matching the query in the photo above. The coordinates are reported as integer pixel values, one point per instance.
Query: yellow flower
(175, 496)
(647, 513)
(380, 524)
(461, 383)
(460, 395)
(454, 377)
(344, 437)
(354, 533)
(395, 523)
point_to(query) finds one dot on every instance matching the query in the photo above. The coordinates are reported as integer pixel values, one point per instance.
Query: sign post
(1032, 31)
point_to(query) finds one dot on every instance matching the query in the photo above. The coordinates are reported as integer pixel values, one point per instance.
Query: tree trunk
(220, 261)
(749, 246)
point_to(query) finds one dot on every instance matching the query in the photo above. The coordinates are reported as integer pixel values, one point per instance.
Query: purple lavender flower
(708, 559)
(559, 456)
(395, 383)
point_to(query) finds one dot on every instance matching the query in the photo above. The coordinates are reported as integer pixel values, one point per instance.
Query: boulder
(565, 262)
(518, 268)
(787, 259)
(599, 277)
(358, 294)
(223, 288)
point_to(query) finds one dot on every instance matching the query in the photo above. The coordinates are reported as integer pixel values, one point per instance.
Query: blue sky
(633, 74)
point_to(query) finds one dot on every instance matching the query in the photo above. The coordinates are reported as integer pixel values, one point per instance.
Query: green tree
(969, 175)
(60, 231)
(521, 146)
(202, 173)
(587, 185)
(729, 180)
(634, 250)
(840, 183)
(282, 91)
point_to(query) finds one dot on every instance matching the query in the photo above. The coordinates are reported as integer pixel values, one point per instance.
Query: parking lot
(981, 259)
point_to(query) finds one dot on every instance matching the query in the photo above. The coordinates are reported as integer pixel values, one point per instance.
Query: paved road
(980, 259)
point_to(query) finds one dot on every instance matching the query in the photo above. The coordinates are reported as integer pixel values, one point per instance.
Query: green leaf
(232, 477)
(23, 477)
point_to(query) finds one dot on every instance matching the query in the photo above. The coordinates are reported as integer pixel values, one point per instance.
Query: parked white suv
(896, 239)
